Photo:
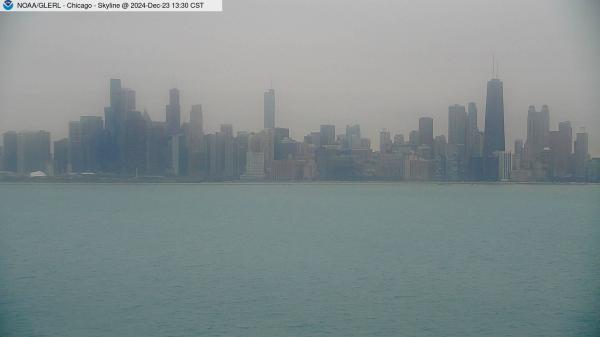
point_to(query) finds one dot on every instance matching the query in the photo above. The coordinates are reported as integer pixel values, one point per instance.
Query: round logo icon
(7, 4)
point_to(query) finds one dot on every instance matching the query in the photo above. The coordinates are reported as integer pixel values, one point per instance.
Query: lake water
(299, 260)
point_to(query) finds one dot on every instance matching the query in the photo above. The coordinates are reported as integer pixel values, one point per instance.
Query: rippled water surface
(299, 260)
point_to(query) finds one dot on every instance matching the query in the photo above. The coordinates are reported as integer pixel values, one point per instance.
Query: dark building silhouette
(426, 131)
(61, 156)
(90, 137)
(493, 136)
(457, 125)
(9, 151)
(494, 119)
(33, 151)
(75, 148)
(327, 135)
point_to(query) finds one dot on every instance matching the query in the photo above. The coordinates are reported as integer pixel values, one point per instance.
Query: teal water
(299, 260)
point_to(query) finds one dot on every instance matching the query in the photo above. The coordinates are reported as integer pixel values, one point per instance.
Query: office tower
(472, 129)
(414, 138)
(134, 150)
(545, 125)
(9, 151)
(90, 138)
(196, 147)
(268, 148)
(157, 151)
(504, 165)
(113, 115)
(255, 158)
(269, 109)
(493, 135)
(561, 147)
(242, 144)
(33, 151)
(398, 139)
(230, 153)
(494, 119)
(327, 135)
(287, 149)
(581, 155)
(127, 99)
(75, 148)
(173, 113)
(385, 141)
(281, 134)
(177, 155)
(517, 154)
(538, 131)
(216, 155)
(353, 136)
(457, 124)
(61, 156)
(426, 131)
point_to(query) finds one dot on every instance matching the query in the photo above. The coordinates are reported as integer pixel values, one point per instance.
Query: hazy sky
(376, 63)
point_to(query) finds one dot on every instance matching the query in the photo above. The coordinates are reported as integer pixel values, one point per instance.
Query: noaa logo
(8, 5)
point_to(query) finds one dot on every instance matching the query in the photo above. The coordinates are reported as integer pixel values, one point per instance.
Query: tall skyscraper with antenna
(493, 137)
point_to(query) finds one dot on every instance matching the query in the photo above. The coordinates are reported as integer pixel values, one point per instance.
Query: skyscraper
(9, 151)
(327, 135)
(494, 119)
(90, 133)
(173, 113)
(581, 155)
(493, 135)
(269, 109)
(196, 145)
(457, 125)
(33, 151)
(385, 141)
(472, 130)
(426, 131)
(75, 149)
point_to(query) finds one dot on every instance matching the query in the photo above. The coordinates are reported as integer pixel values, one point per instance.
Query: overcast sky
(381, 64)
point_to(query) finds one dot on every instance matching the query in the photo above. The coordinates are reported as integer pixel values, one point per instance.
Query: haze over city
(378, 65)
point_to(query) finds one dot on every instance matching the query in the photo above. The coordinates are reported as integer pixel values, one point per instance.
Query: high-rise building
(61, 156)
(157, 150)
(494, 118)
(75, 148)
(457, 124)
(426, 131)
(581, 155)
(173, 113)
(385, 141)
(538, 131)
(327, 135)
(561, 146)
(90, 138)
(9, 151)
(493, 134)
(135, 150)
(353, 136)
(197, 159)
(269, 109)
(33, 151)
(472, 129)
(504, 165)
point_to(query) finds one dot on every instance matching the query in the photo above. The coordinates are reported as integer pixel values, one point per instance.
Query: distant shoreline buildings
(127, 143)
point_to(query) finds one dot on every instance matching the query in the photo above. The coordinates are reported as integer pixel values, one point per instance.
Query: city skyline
(385, 67)
(440, 126)
(128, 142)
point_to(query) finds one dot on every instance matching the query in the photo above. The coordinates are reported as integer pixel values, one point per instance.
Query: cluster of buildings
(127, 143)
